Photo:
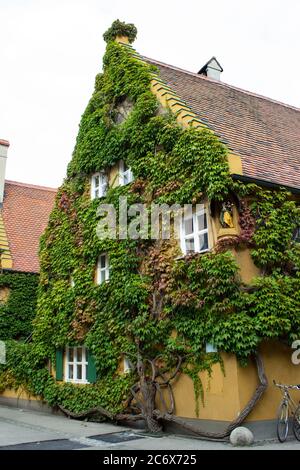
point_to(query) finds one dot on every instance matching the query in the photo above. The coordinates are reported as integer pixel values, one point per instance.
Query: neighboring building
(24, 214)
(166, 135)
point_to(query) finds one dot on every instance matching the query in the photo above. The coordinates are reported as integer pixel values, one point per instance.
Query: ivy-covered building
(24, 214)
(189, 331)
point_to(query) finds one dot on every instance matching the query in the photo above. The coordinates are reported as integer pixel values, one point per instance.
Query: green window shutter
(59, 364)
(91, 373)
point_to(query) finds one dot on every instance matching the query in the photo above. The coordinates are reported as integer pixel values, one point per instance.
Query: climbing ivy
(154, 300)
(18, 310)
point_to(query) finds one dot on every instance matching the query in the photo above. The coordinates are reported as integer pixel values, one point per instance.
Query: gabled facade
(122, 314)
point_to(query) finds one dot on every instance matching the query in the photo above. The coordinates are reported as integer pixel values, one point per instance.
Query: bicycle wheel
(283, 421)
(296, 423)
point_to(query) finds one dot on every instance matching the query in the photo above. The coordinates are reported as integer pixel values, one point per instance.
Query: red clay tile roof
(264, 132)
(26, 209)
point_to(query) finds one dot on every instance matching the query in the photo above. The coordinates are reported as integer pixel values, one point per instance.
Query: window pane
(79, 354)
(79, 372)
(102, 261)
(189, 245)
(96, 181)
(127, 367)
(126, 177)
(203, 242)
(102, 178)
(131, 177)
(188, 227)
(103, 189)
(202, 221)
(71, 355)
(70, 372)
(96, 193)
(102, 276)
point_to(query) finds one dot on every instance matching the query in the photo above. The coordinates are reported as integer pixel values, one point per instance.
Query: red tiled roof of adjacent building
(26, 209)
(264, 132)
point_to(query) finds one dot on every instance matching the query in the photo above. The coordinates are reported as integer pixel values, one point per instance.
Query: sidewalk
(25, 429)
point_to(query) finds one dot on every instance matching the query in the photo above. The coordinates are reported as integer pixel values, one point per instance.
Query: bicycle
(286, 408)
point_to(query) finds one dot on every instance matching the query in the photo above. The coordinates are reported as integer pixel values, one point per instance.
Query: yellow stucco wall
(248, 270)
(226, 396)
(113, 179)
(221, 398)
(278, 366)
(235, 164)
(19, 394)
(4, 295)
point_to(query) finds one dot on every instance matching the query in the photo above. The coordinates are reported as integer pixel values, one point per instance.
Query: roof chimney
(4, 144)
(211, 69)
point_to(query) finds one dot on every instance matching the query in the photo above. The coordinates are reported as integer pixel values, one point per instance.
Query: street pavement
(30, 430)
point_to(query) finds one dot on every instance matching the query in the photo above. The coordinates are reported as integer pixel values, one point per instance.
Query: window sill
(78, 382)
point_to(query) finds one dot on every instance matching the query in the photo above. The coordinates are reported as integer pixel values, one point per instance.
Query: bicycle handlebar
(294, 387)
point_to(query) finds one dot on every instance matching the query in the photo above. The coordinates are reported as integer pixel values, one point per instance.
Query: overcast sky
(51, 51)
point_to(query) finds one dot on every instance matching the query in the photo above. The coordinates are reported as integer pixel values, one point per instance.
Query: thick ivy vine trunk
(145, 393)
(148, 392)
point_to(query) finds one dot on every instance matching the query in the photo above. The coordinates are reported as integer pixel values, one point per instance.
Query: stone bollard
(241, 436)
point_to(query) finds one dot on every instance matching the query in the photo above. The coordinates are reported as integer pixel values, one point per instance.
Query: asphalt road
(27, 430)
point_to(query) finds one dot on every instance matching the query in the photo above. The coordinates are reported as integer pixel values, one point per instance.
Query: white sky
(51, 50)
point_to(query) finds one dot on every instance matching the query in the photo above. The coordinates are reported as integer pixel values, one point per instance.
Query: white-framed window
(125, 174)
(76, 364)
(99, 184)
(194, 232)
(102, 268)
